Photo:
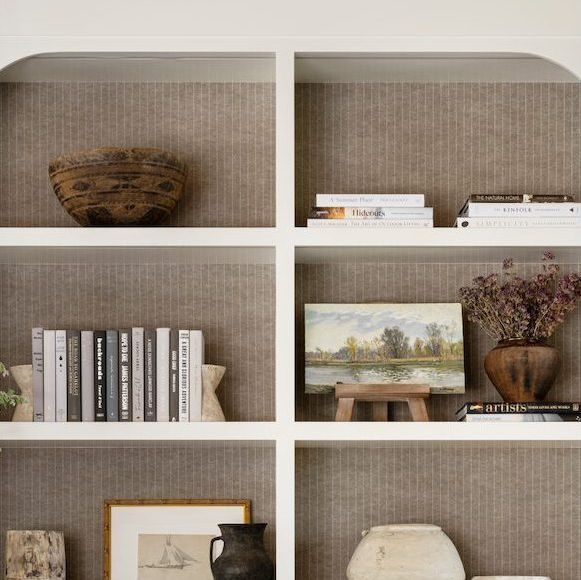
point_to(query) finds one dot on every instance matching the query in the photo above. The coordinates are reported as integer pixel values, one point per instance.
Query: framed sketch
(384, 343)
(165, 539)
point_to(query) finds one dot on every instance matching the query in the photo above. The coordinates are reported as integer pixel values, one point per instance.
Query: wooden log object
(37, 554)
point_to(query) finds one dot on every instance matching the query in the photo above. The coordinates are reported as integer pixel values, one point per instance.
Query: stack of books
(519, 211)
(371, 211)
(133, 374)
(519, 412)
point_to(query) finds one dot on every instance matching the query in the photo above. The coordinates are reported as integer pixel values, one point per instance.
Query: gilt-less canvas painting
(384, 343)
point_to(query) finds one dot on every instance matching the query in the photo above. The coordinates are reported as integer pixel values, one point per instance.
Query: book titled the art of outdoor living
(384, 343)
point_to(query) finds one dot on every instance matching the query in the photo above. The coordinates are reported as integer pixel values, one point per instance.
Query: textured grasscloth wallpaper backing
(225, 132)
(233, 304)
(512, 511)
(64, 489)
(420, 282)
(446, 140)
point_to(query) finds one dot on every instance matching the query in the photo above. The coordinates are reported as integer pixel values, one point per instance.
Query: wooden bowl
(114, 186)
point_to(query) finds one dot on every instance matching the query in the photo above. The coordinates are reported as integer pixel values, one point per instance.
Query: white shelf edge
(229, 431)
(437, 431)
(439, 237)
(298, 236)
(136, 237)
(295, 432)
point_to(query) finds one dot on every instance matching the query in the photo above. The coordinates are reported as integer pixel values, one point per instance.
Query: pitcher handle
(212, 541)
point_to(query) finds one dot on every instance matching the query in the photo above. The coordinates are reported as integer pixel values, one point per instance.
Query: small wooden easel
(381, 395)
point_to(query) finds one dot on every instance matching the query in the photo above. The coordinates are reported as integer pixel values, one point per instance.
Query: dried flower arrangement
(508, 306)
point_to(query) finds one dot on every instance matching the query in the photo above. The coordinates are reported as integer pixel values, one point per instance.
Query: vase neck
(520, 342)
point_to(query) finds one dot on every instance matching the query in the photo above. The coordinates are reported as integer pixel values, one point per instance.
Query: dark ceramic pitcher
(244, 556)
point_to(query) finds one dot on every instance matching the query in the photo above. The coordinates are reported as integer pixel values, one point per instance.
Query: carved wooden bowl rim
(116, 155)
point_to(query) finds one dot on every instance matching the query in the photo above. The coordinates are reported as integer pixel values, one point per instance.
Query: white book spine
(522, 210)
(514, 418)
(196, 362)
(374, 213)
(87, 376)
(184, 362)
(137, 373)
(482, 222)
(162, 370)
(372, 224)
(37, 375)
(61, 375)
(385, 199)
(49, 375)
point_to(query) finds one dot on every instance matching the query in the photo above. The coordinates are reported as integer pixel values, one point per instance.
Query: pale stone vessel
(22, 374)
(211, 377)
(405, 552)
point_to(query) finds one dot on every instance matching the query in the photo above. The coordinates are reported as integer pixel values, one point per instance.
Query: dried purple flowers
(508, 306)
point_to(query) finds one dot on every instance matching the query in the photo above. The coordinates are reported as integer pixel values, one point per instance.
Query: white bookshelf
(299, 433)
(557, 59)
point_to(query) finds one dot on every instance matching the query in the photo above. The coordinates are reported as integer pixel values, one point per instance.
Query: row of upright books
(519, 412)
(131, 374)
(506, 210)
(371, 211)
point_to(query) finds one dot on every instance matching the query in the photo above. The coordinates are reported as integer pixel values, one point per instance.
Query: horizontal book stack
(133, 374)
(519, 412)
(519, 211)
(371, 211)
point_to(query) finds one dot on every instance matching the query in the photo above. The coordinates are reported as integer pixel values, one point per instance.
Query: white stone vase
(211, 377)
(22, 375)
(406, 552)
(37, 554)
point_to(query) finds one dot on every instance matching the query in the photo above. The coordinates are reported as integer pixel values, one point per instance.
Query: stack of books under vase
(506, 210)
(394, 211)
(519, 412)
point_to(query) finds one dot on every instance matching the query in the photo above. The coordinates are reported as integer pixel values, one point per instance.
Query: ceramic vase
(37, 554)
(405, 552)
(22, 375)
(244, 556)
(211, 377)
(522, 371)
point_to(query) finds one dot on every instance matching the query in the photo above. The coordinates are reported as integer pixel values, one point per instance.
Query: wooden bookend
(380, 395)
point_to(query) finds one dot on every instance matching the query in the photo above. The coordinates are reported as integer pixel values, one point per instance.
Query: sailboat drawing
(172, 557)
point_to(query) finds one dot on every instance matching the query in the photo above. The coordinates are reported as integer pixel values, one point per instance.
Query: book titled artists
(494, 412)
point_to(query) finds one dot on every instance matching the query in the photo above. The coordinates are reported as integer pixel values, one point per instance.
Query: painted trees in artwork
(392, 343)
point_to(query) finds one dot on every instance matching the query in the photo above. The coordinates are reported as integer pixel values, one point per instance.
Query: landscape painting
(384, 343)
(175, 557)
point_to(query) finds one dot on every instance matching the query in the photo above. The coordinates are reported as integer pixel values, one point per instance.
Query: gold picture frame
(110, 504)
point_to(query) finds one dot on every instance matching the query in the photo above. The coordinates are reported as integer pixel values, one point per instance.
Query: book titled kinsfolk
(519, 211)
(133, 374)
(371, 211)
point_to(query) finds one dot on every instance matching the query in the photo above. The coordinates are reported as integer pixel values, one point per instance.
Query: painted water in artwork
(384, 343)
(175, 557)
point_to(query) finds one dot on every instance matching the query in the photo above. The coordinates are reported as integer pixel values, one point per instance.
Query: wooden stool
(381, 395)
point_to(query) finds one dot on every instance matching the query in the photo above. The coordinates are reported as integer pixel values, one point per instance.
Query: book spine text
(112, 375)
(137, 374)
(125, 402)
(87, 376)
(37, 374)
(73, 375)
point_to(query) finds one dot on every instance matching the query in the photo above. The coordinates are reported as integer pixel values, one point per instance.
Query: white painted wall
(289, 18)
